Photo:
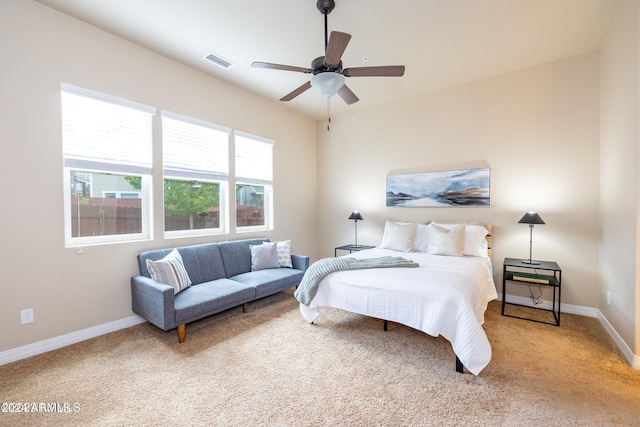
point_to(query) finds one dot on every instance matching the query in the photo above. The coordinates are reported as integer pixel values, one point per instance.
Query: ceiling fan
(328, 73)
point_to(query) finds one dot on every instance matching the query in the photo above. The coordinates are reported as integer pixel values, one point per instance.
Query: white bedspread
(444, 296)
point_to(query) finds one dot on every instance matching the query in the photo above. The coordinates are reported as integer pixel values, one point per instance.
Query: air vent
(219, 60)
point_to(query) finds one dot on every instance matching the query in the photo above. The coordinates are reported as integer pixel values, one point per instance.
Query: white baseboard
(67, 339)
(85, 334)
(631, 358)
(565, 308)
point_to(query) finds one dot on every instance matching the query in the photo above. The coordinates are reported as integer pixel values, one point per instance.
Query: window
(254, 182)
(107, 145)
(196, 170)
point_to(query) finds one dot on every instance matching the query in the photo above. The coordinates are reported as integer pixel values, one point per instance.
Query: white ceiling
(442, 43)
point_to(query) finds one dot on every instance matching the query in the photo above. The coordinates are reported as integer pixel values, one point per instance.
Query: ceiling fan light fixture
(327, 83)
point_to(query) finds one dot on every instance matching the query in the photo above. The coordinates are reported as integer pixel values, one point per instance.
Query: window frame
(195, 176)
(101, 165)
(263, 182)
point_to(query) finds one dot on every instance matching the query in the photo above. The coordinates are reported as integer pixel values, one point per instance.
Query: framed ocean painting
(462, 187)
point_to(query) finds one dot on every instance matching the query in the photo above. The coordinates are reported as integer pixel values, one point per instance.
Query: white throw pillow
(446, 241)
(284, 254)
(264, 256)
(398, 236)
(170, 271)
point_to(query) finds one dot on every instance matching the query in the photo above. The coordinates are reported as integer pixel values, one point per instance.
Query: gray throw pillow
(264, 256)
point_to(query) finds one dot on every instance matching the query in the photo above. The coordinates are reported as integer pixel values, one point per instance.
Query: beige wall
(619, 177)
(538, 130)
(71, 292)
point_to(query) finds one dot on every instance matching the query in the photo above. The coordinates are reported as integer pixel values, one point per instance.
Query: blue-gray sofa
(221, 279)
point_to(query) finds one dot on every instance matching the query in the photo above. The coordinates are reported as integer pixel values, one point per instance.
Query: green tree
(134, 181)
(189, 198)
(186, 198)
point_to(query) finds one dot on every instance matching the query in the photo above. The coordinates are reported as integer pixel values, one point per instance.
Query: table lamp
(530, 218)
(355, 215)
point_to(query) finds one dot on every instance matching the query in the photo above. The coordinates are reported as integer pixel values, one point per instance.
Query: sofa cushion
(264, 256)
(267, 282)
(236, 255)
(202, 262)
(170, 271)
(209, 298)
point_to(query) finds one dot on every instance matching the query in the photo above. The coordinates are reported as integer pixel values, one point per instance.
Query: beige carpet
(268, 367)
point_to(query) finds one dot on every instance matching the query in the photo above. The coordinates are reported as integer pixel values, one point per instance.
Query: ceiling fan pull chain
(328, 112)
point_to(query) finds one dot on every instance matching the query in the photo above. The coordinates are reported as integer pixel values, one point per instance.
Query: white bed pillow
(475, 239)
(422, 237)
(264, 256)
(398, 236)
(447, 241)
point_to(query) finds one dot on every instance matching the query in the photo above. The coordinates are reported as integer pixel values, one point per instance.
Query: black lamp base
(528, 261)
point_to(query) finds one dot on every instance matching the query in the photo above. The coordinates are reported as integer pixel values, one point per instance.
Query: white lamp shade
(327, 83)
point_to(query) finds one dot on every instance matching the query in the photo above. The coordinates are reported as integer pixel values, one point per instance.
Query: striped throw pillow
(170, 271)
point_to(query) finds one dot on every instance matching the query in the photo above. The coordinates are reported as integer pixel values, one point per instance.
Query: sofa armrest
(154, 301)
(300, 262)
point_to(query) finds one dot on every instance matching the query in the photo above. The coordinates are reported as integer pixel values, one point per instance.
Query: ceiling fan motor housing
(325, 6)
(318, 66)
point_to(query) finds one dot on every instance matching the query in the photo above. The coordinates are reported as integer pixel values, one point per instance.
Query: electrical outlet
(608, 297)
(26, 316)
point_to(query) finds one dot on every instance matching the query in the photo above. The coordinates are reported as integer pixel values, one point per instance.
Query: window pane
(191, 205)
(96, 208)
(194, 151)
(250, 205)
(254, 159)
(98, 132)
(254, 181)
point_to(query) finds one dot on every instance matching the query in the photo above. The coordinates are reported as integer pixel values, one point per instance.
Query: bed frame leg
(385, 325)
(459, 366)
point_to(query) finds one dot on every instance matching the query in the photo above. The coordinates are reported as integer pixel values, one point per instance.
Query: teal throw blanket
(320, 269)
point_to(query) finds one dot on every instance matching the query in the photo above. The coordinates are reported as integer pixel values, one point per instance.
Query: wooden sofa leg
(244, 307)
(181, 332)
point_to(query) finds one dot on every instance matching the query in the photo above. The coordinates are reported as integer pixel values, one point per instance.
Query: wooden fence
(96, 216)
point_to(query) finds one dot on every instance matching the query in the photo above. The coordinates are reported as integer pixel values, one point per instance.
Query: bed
(446, 294)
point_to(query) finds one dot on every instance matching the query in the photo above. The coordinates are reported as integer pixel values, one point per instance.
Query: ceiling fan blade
(335, 48)
(347, 95)
(271, 66)
(381, 71)
(296, 92)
